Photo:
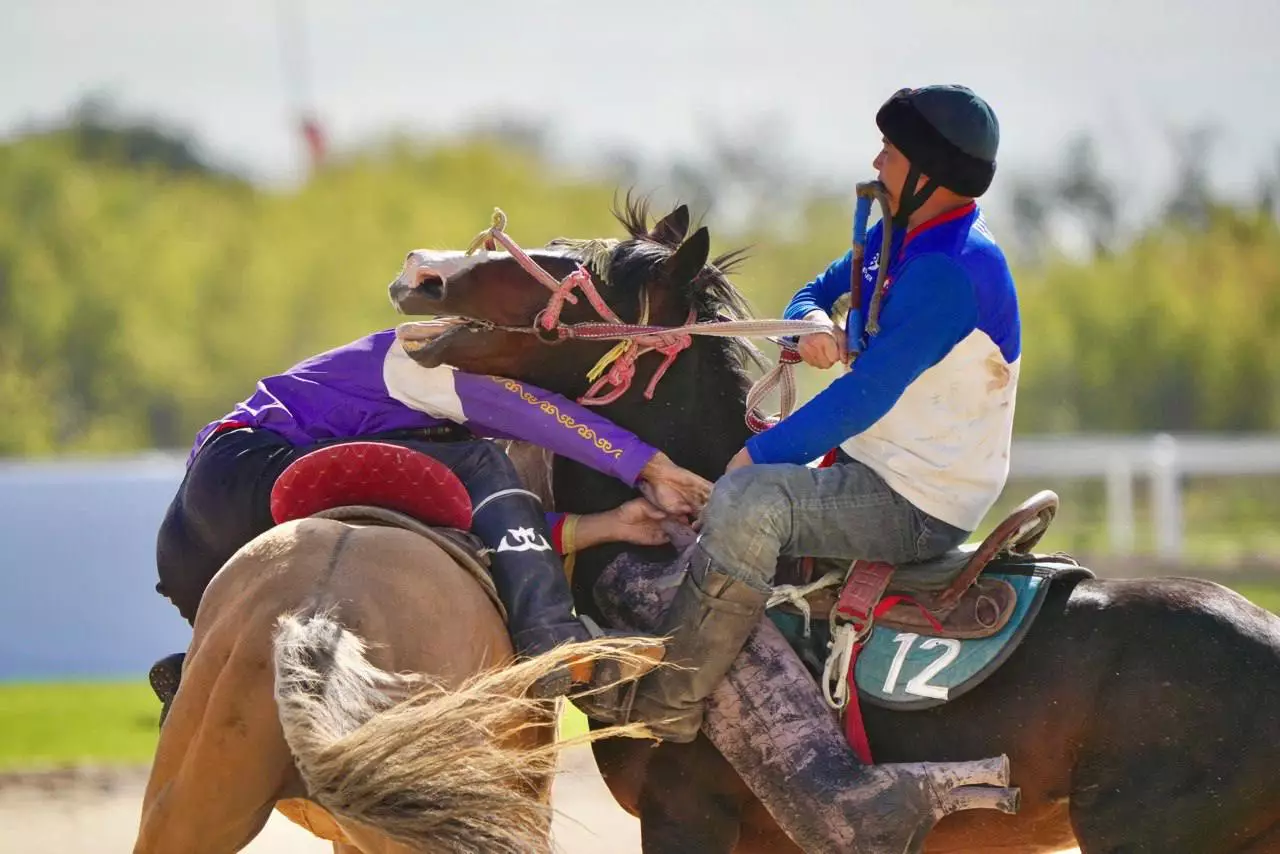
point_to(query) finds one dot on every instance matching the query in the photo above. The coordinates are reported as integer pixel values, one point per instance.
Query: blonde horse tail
(453, 770)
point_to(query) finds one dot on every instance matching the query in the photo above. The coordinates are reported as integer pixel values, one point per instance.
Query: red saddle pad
(372, 473)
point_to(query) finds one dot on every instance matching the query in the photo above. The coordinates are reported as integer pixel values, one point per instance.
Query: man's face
(891, 168)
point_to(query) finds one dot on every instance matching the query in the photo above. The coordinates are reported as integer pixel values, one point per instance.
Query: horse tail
(443, 769)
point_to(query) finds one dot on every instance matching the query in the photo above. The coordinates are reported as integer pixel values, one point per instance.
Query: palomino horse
(1138, 715)
(357, 675)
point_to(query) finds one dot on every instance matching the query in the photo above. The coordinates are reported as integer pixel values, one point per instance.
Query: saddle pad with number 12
(908, 670)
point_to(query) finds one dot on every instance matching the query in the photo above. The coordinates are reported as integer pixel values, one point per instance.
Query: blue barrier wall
(77, 568)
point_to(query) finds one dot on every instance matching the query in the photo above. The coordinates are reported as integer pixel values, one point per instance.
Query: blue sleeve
(931, 307)
(823, 291)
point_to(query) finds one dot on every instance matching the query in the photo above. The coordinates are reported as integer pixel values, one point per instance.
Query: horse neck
(696, 417)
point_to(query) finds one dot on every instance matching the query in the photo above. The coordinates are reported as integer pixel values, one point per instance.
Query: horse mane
(625, 264)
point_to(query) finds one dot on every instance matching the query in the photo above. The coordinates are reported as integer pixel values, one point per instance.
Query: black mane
(630, 263)
(697, 413)
(715, 295)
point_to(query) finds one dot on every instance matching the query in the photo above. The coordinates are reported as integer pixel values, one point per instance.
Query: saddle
(374, 483)
(946, 596)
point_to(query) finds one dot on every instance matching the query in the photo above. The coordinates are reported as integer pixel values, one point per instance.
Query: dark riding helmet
(946, 132)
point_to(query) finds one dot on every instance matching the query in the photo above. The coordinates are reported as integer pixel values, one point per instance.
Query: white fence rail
(1165, 459)
(1118, 460)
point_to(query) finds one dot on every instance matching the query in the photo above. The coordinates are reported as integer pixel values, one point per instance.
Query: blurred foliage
(142, 293)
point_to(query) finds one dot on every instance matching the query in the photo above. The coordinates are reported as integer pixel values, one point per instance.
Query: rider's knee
(745, 523)
(746, 498)
(485, 459)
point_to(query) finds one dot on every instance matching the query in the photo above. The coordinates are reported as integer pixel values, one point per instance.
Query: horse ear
(689, 259)
(672, 228)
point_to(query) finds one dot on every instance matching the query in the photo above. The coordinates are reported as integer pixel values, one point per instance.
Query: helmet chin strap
(910, 201)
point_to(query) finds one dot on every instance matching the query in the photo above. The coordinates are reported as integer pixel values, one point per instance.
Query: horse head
(492, 305)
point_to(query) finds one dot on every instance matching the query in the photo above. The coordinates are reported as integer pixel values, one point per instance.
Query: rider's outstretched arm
(507, 409)
(501, 408)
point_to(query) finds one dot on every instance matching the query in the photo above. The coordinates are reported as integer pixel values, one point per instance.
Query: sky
(657, 79)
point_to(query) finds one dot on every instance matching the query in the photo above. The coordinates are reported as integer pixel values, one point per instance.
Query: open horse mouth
(426, 340)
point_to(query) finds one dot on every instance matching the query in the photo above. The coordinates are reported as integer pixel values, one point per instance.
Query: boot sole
(163, 682)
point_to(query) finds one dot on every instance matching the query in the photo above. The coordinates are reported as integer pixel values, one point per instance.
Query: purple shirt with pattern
(372, 385)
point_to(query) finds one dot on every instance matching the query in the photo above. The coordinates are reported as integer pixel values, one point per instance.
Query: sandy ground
(88, 811)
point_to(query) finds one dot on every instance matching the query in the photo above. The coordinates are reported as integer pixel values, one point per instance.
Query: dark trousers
(225, 501)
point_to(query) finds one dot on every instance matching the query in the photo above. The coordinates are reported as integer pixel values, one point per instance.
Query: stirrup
(605, 671)
(612, 704)
(609, 704)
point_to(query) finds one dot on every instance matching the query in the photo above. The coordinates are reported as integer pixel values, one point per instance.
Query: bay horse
(351, 668)
(1138, 715)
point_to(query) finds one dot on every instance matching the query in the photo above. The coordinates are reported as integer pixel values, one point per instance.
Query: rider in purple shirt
(372, 389)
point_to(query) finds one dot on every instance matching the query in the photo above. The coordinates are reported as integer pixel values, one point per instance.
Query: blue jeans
(760, 512)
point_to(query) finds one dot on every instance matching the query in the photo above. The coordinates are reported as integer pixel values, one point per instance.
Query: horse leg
(219, 767)
(686, 807)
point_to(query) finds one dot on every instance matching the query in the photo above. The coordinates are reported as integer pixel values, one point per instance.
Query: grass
(70, 723)
(60, 724)
(44, 725)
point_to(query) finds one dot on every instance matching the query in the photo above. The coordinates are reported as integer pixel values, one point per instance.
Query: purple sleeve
(506, 408)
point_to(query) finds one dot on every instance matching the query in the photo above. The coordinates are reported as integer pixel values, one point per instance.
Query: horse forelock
(594, 253)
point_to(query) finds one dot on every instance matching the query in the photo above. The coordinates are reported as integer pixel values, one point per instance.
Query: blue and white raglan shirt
(929, 403)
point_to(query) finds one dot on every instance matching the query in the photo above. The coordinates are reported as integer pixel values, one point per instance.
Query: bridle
(613, 373)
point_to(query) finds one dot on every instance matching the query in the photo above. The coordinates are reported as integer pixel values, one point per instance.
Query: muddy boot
(531, 583)
(164, 676)
(768, 718)
(708, 622)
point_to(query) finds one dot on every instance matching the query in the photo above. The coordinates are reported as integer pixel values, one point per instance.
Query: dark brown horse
(1139, 715)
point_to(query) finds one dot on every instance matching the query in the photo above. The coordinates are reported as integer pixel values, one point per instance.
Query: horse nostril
(430, 285)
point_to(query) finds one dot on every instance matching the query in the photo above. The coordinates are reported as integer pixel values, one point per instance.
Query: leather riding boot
(708, 622)
(530, 580)
(767, 717)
